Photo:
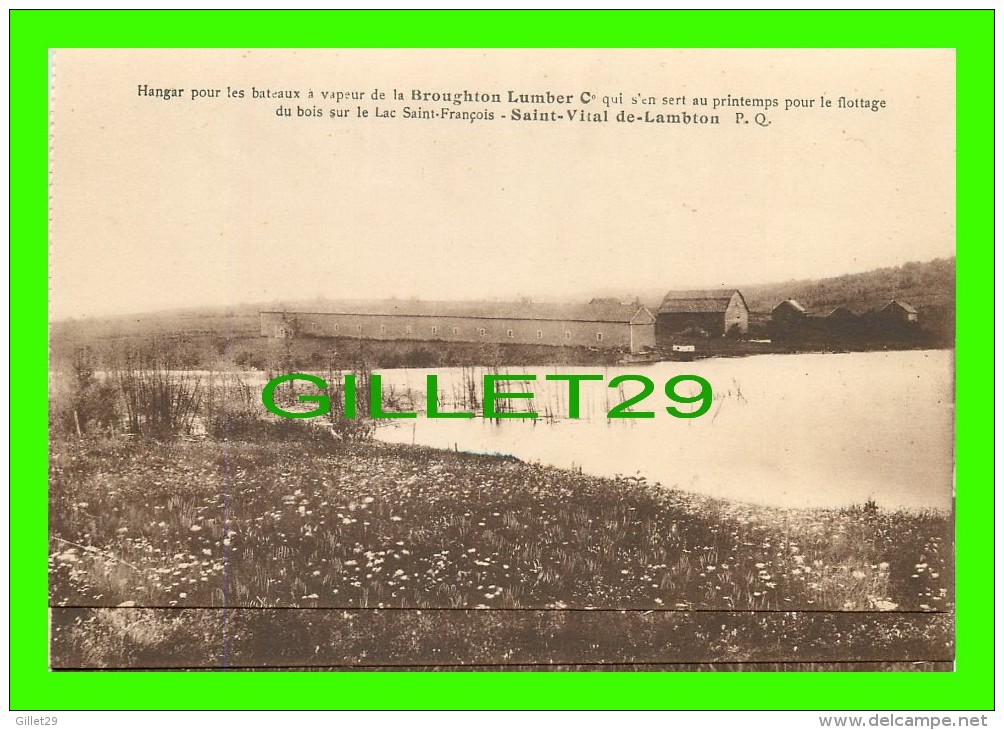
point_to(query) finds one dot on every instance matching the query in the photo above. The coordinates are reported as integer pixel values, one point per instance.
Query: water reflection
(810, 430)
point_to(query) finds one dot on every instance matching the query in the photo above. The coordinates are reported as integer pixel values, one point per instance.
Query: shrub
(88, 404)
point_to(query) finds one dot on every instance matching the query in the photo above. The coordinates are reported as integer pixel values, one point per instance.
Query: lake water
(807, 430)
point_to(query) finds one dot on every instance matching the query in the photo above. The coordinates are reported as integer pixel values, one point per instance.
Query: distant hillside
(927, 286)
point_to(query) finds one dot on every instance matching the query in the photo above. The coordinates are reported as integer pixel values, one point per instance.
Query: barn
(842, 322)
(790, 320)
(706, 313)
(897, 311)
(788, 311)
(842, 314)
(603, 324)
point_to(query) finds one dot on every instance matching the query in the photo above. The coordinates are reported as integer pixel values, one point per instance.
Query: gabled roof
(600, 312)
(793, 304)
(643, 316)
(841, 312)
(902, 305)
(697, 301)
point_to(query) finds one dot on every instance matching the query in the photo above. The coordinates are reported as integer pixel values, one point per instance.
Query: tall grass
(318, 522)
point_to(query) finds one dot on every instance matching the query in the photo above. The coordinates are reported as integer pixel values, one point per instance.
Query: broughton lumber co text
(511, 97)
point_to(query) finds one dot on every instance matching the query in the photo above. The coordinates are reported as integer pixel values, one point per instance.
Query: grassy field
(262, 524)
(268, 638)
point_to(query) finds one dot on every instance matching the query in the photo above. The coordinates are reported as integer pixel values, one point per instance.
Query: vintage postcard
(527, 359)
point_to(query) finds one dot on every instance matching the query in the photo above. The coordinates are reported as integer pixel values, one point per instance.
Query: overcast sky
(171, 203)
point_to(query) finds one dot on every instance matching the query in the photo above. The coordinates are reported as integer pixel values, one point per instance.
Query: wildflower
(182, 595)
(195, 528)
(859, 574)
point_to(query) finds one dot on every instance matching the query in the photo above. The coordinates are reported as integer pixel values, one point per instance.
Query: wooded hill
(928, 286)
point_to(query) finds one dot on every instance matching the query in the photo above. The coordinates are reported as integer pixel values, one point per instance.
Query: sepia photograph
(502, 359)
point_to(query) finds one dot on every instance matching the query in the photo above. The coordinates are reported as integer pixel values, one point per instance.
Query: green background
(971, 33)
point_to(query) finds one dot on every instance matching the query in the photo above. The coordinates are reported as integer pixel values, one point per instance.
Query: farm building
(788, 311)
(606, 324)
(842, 314)
(896, 311)
(788, 320)
(707, 313)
